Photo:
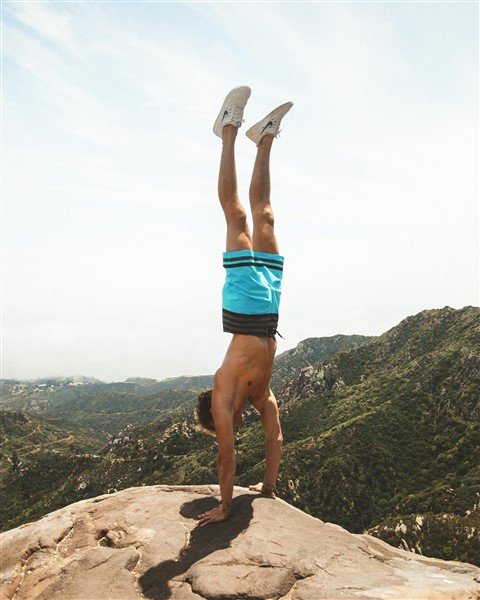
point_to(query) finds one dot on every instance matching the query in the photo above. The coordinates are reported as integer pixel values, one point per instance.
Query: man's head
(203, 413)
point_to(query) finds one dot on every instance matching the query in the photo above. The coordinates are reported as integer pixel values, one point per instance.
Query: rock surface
(144, 543)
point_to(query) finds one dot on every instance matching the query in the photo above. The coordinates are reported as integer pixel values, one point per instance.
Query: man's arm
(273, 443)
(226, 460)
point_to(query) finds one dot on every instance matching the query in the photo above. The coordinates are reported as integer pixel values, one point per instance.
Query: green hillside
(112, 411)
(390, 431)
(50, 394)
(141, 446)
(49, 477)
(24, 437)
(384, 436)
(308, 352)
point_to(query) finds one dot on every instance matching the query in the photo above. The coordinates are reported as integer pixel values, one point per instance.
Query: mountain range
(381, 435)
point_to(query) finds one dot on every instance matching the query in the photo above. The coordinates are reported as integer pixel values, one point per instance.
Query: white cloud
(53, 24)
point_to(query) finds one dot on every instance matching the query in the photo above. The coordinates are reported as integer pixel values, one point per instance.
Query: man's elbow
(226, 468)
(226, 459)
(275, 439)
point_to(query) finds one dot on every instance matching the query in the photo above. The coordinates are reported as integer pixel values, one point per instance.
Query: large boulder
(145, 542)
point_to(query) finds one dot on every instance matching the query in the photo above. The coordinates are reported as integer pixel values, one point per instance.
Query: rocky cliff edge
(144, 543)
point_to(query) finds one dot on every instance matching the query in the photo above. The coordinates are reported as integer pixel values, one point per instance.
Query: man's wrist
(268, 487)
(226, 507)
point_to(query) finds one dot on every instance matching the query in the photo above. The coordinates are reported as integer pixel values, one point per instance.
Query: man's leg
(264, 239)
(238, 234)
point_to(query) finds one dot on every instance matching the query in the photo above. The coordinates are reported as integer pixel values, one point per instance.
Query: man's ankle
(268, 486)
(266, 141)
(229, 131)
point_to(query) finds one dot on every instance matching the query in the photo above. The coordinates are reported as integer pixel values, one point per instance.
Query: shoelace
(277, 135)
(237, 113)
(275, 124)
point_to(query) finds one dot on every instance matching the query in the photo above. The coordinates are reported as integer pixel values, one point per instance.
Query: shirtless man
(251, 297)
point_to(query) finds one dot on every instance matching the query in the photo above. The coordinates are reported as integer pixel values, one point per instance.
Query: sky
(112, 234)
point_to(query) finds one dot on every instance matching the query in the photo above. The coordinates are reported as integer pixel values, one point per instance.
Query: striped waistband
(253, 260)
(265, 325)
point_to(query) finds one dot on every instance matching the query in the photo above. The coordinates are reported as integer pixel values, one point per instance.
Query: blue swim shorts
(251, 293)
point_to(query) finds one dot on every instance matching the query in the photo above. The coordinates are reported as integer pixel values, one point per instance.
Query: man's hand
(263, 490)
(211, 516)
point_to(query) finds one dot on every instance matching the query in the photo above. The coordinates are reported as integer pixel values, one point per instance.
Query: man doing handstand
(250, 306)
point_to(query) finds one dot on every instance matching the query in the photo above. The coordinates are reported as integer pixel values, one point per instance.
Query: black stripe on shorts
(263, 325)
(260, 258)
(277, 266)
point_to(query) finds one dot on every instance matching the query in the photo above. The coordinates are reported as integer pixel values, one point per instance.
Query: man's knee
(237, 218)
(264, 215)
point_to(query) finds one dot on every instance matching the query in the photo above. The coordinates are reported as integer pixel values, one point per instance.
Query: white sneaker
(232, 109)
(269, 124)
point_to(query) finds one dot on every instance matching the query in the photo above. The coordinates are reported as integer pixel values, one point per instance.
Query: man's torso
(246, 370)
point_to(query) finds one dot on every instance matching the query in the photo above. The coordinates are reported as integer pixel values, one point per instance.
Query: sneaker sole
(218, 120)
(254, 128)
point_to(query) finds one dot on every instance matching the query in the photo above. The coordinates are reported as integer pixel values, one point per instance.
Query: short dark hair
(203, 416)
